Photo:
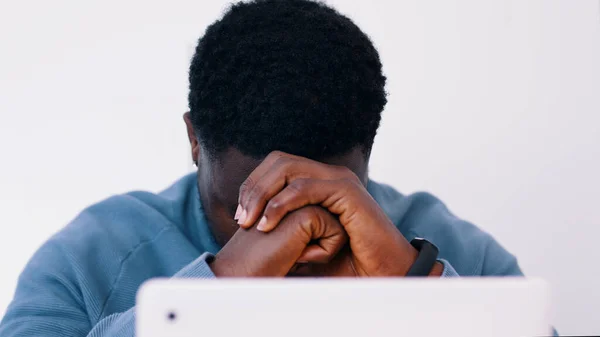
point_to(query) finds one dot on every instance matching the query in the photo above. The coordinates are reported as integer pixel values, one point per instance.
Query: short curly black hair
(288, 75)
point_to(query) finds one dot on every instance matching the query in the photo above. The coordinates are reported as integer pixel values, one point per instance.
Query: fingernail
(243, 217)
(238, 211)
(262, 223)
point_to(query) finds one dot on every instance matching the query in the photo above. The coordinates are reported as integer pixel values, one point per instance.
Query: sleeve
(496, 261)
(46, 304)
(448, 269)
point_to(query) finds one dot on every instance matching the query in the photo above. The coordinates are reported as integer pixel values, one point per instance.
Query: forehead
(230, 168)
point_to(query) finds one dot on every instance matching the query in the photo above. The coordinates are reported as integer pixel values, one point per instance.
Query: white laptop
(343, 307)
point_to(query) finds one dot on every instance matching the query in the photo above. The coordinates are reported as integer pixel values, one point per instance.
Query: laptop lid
(343, 307)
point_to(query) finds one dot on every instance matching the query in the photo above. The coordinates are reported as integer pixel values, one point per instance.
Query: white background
(494, 107)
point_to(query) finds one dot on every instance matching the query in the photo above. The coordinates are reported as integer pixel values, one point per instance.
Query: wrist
(221, 268)
(426, 263)
(437, 270)
(401, 260)
(411, 257)
(251, 253)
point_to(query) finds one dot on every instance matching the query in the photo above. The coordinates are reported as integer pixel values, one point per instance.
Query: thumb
(328, 238)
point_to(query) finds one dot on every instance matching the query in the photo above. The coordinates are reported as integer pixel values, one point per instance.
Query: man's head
(288, 75)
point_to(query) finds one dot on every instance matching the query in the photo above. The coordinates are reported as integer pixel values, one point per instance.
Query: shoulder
(87, 256)
(469, 249)
(124, 221)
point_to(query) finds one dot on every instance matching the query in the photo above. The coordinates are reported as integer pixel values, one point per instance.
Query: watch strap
(426, 259)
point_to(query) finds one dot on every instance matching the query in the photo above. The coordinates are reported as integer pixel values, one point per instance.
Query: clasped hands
(302, 217)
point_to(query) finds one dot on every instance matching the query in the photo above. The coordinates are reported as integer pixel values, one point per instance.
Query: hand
(283, 183)
(308, 234)
(341, 265)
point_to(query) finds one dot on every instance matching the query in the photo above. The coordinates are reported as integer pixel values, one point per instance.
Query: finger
(253, 199)
(340, 266)
(324, 229)
(331, 194)
(315, 254)
(248, 184)
(328, 231)
(299, 193)
(284, 172)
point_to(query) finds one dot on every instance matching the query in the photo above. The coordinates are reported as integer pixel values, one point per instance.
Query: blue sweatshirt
(83, 280)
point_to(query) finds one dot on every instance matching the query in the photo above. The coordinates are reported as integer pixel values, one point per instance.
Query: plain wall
(494, 106)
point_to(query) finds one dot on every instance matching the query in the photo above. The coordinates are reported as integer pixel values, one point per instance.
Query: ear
(192, 137)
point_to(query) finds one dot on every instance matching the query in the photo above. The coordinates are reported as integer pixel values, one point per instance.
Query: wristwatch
(426, 259)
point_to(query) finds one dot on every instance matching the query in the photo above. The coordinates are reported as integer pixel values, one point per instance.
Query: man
(285, 100)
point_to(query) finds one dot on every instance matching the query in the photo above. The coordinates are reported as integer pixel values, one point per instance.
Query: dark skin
(296, 216)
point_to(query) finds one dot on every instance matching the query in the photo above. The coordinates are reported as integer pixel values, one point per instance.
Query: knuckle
(280, 158)
(348, 181)
(309, 213)
(246, 185)
(348, 174)
(284, 162)
(349, 187)
(275, 153)
(343, 172)
(351, 182)
(299, 185)
(275, 156)
(300, 219)
(257, 192)
(318, 214)
(274, 205)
